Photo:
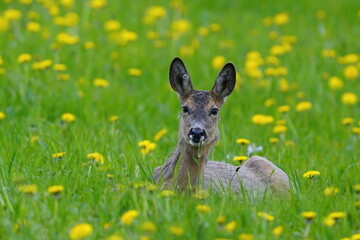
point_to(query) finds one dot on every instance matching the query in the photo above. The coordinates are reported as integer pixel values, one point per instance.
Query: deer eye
(185, 109)
(214, 111)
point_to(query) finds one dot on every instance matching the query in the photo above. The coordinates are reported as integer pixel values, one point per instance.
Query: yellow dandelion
(349, 98)
(303, 106)
(321, 14)
(347, 121)
(273, 140)
(55, 189)
(59, 67)
(281, 18)
(96, 4)
(110, 176)
(351, 72)
(146, 147)
(203, 208)
(201, 194)
(279, 129)
(230, 227)
(101, 83)
(246, 236)
(337, 215)
(68, 117)
(41, 65)
(153, 13)
(218, 62)
(63, 77)
(180, 27)
(65, 38)
(176, 230)
(89, 45)
(242, 141)
(96, 157)
(265, 216)
(269, 102)
(28, 189)
(283, 109)
(166, 193)
(2, 115)
(261, 119)
(112, 25)
(128, 217)
(308, 215)
(240, 158)
(113, 118)
(148, 226)
(331, 191)
(328, 53)
(81, 230)
(335, 83)
(329, 221)
(34, 139)
(114, 237)
(311, 174)
(277, 231)
(134, 72)
(356, 188)
(355, 130)
(58, 155)
(355, 236)
(160, 134)
(220, 220)
(12, 14)
(33, 27)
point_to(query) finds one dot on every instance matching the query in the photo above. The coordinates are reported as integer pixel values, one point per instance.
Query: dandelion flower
(349, 98)
(308, 215)
(12, 14)
(283, 109)
(277, 231)
(96, 157)
(114, 237)
(281, 18)
(246, 236)
(58, 155)
(230, 227)
(2, 115)
(89, 45)
(148, 226)
(347, 121)
(279, 129)
(220, 220)
(218, 62)
(67, 39)
(55, 189)
(25, 57)
(128, 217)
(303, 106)
(329, 221)
(96, 4)
(28, 189)
(311, 174)
(146, 147)
(331, 191)
(112, 25)
(160, 134)
(240, 158)
(166, 193)
(113, 118)
(176, 230)
(261, 119)
(203, 208)
(273, 140)
(33, 27)
(81, 230)
(355, 130)
(335, 83)
(265, 216)
(242, 141)
(201, 194)
(134, 72)
(101, 83)
(337, 215)
(68, 117)
(351, 72)
(328, 53)
(59, 67)
(356, 188)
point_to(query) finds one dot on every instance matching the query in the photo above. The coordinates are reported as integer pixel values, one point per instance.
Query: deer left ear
(225, 81)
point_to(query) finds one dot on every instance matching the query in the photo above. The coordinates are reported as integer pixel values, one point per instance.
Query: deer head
(200, 109)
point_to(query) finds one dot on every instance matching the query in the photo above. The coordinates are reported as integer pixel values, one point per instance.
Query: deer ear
(179, 78)
(225, 81)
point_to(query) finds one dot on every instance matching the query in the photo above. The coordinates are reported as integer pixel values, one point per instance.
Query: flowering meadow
(87, 113)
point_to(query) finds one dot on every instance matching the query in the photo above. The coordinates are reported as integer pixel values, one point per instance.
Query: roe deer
(188, 166)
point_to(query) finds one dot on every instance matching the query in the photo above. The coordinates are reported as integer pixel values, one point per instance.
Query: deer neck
(190, 171)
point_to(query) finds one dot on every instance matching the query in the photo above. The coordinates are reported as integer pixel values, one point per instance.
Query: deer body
(188, 166)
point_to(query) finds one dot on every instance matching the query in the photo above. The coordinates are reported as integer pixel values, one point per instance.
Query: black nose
(197, 134)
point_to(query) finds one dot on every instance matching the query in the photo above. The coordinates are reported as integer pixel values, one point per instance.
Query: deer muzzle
(196, 135)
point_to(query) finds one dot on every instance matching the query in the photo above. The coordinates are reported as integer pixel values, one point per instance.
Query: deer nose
(197, 134)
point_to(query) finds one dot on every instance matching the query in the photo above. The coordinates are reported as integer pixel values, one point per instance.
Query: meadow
(87, 113)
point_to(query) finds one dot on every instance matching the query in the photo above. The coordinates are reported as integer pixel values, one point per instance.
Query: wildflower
(242, 141)
(351, 72)
(55, 189)
(308, 216)
(89, 45)
(331, 191)
(67, 39)
(41, 65)
(160, 134)
(128, 217)
(112, 25)
(166, 193)
(34, 139)
(63, 77)
(357, 204)
(201, 194)
(230, 227)
(278, 231)
(261, 119)
(329, 221)
(96, 157)
(240, 158)
(266, 216)
(69, 20)
(355, 236)
(269, 102)
(123, 37)
(12, 14)
(277, 50)
(335, 83)
(28, 189)
(279, 129)
(177, 231)
(214, 27)
(101, 83)
(303, 106)
(328, 53)
(96, 4)
(311, 174)
(356, 188)
(59, 67)
(246, 236)
(68, 117)
(2, 115)
(146, 147)
(218, 62)
(153, 13)
(81, 230)
(4, 24)
(283, 109)
(110, 176)
(113, 118)
(148, 226)
(220, 220)
(150, 187)
(347, 121)
(180, 27)
(337, 215)
(355, 130)
(67, 3)
(203, 31)
(281, 18)
(33, 27)
(58, 155)
(321, 14)
(203, 208)
(134, 72)
(349, 98)
(284, 85)
(114, 237)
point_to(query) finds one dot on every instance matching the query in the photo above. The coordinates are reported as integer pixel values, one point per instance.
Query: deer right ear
(179, 78)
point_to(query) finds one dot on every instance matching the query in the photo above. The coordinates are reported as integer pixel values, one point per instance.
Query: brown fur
(185, 170)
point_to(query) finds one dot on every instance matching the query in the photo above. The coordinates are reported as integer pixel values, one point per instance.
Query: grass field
(83, 82)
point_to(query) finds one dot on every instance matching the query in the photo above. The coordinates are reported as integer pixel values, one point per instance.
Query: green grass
(34, 100)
